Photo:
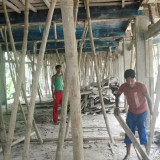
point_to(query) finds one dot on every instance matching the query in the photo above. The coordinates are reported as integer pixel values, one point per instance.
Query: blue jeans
(139, 121)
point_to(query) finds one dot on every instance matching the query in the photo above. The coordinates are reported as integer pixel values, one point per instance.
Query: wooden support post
(118, 138)
(75, 10)
(155, 113)
(105, 65)
(3, 96)
(35, 81)
(26, 101)
(110, 73)
(55, 36)
(62, 129)
(18, 84)
(132, 137)
(13, 7)
(96, 70)
(10, 32)
(67, 128)
(82, 42)
(23, 113)
(73, 80)
(3, 136)
(151, 15)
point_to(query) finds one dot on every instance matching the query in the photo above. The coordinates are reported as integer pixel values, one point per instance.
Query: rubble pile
(90, 100)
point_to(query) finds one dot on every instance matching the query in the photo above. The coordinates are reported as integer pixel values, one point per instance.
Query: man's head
(58, 68)
(130, 75)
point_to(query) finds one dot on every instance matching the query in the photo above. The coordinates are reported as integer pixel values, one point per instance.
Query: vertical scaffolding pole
(73, 78)
(96, 70)
(35, 81)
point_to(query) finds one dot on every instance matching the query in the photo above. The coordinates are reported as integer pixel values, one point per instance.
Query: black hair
(58, 66)
(129, 73)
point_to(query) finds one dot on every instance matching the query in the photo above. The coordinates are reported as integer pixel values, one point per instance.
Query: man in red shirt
(138, 100)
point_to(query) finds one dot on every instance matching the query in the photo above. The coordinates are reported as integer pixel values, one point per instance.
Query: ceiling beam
(82, 5)
(11, 6)
(46, 3)
(62, 40)
(153, 30)
(78, 22)
(18, 4)
(123, 3)
(30, 6)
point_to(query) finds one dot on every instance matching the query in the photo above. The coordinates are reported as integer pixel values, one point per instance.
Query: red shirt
(135, 97)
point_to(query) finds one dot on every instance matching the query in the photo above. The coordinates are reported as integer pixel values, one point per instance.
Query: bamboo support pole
(73, 80)
(18, 84)
(46, 76)
(68, 124)
(86, 70)
(33, 69)
(23, 91)
(3, 136)
(132, 137)
(110, 65)
(118, 138)
(23, 113)
(10, 31)
(75, 10)
(82, 42)
(62, 129)
(35, 80)
(151, 14)
(83, 70)
(55, 36)
(155, 112)
(96, 70)
(26, 101)
(92, 71)
(105, 65)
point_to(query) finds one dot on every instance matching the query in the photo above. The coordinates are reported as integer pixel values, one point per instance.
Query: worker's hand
(54, 97)
(116, 111)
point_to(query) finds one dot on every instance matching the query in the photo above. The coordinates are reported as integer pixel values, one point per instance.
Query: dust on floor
(93, 126)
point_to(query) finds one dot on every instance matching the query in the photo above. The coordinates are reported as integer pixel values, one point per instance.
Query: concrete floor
(93, 150)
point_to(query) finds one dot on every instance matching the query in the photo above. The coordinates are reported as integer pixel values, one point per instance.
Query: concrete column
(149, 67)
(141, 26)
(126, 55)
(3, 99)
(121, 69)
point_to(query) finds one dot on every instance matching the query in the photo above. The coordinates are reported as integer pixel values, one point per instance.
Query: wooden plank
(13, 7)
(30, 6)
(46, 3)
(123, 3)
(79, 21)
(61, 40)
(153, 31)
(132, 137)
(34, 6)
(118, 138)
(18, 4)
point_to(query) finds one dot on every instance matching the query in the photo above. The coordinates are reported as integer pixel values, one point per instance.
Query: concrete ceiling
(110, 18)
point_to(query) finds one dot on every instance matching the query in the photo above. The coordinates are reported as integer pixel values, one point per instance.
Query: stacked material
(90, 99)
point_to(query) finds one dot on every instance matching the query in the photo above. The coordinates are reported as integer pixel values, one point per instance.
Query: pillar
(141, 24)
